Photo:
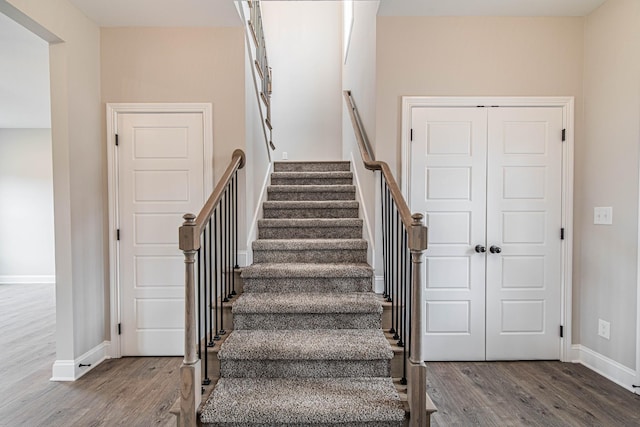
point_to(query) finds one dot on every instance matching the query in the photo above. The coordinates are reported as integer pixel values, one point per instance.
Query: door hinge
(118, 234)
(564, 135)
(561, 331)
(116, 139)
(411, 136)
(119, 328)
(562, 233)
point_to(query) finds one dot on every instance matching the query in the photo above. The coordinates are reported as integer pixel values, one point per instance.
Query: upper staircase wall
(304, 48)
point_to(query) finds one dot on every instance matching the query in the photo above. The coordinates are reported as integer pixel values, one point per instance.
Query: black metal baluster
(203, 305)
(215, 254)
(223, 299)
(408, 340)
(391, 278)
(396, 273)
(229, 242)
(199, 302)
(235, 228)
(403, 284)
(383, 196)
(210, 286)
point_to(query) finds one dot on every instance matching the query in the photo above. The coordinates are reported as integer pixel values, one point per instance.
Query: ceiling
(213, 13)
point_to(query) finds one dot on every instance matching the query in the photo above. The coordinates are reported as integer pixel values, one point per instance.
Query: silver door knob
(480, 249)
(495, 249)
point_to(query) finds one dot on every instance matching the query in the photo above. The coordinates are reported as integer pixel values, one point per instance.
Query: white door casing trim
(113, 109)
(567, 105)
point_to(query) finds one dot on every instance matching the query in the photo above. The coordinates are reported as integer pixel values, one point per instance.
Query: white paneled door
(160, 178)
(490, 183)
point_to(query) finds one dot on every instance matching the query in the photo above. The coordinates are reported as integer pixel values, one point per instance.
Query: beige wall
(180, 65)
(474, 56)
(607, 175)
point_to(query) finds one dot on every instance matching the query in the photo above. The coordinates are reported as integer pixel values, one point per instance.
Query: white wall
(359, 76)
(304, 49)
(78, 177)
(258, 167)
(606, 257)
(24, 77)
(26, 206)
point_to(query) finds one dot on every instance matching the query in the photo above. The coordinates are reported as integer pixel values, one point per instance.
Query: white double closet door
(489, 181)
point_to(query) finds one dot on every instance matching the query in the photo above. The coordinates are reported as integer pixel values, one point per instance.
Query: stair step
(310, 209)
(321, 251)
(316, 228)
(314, 353)
(311, 192)
(304, 402)
(311, 166)
(312, 278)
(312, 178)
(277, 311)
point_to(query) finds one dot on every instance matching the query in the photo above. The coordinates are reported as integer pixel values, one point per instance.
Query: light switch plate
(603, 215)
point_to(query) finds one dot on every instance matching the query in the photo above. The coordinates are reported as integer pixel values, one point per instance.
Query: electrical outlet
(603, 215)
(285, 155)
(604, 329)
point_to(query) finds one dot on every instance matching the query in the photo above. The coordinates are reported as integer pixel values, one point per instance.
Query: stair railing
(209, 242)
(262, 74)
(404, 240)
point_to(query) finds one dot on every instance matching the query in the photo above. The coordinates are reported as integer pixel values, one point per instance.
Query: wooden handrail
(189, 242)
(189, 238)
(416, 379)
(371, 164)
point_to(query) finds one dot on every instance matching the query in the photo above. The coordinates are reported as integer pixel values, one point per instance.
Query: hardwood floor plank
(527, 394)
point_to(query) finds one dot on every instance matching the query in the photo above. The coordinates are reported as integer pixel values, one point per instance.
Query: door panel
(524, 219)
(448, 182)
(160, 177)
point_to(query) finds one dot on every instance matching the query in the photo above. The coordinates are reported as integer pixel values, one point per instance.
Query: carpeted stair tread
(307, 303)
(311, 188)
(310, 251)
(302, 244)
(310, 228)
(311, 209)
(310, 204)
(274, 270)
(311, 192)
(309, 344)
(304, 402)
(310, 222)
(312, 178)
(320, 166)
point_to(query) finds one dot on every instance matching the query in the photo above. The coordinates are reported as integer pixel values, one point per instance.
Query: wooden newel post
(190, 395)
(417, 384)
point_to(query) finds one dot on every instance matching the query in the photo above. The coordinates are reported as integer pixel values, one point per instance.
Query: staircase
(307, 347)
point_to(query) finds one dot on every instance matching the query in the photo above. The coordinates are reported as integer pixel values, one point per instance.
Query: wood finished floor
(132, 391)
(527, 394)
(139, 391)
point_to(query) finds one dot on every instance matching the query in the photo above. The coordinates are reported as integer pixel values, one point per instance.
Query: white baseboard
(604, 366)
(378, 284)
(70, 370)
(369, 236)
(24, 279)
(257, 214)
(242, 258)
